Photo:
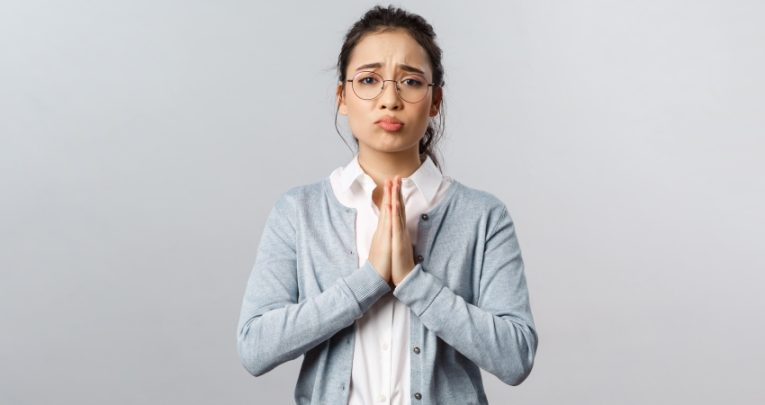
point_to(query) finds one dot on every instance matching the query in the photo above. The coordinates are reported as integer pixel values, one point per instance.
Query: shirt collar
(427, 178)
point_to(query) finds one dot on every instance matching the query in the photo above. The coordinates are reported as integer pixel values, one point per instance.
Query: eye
(412, 82)
(367, 80)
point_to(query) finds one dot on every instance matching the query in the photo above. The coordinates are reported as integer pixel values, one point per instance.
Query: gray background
(144, 142)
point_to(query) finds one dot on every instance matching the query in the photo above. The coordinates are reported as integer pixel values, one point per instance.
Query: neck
(385, 165)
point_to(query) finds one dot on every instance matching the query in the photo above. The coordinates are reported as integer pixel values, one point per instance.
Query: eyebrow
(403, 67)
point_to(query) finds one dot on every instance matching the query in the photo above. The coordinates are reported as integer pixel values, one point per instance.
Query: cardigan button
(417, 395)
(424, 217)
(420, 258)
(416, 350)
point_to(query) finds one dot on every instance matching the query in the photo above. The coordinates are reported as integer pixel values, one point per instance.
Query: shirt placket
(385, 352)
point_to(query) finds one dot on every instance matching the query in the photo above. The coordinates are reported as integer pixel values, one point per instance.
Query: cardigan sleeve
(273, 326)
(497, 334)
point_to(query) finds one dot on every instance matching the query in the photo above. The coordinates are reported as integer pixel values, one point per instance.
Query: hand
(380, 250)
(402, 250)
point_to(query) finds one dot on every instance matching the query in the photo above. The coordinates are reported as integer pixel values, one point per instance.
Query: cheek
(423, 115)
(355, 109)
(355, 115)
(358, 121)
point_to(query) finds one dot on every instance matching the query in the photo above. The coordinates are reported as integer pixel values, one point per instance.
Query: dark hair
(380, 19)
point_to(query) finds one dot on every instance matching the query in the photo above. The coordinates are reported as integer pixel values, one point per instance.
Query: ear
(435, 106)
(340, 99)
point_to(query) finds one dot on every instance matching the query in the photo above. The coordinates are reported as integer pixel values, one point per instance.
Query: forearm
(280, 331)
(502, 344)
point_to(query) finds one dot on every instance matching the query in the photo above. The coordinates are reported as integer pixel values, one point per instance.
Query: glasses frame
(382, 87)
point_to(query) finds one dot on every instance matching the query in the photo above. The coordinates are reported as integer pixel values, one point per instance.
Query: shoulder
(482, 206)
(298, 194)
(477, 199)
(286, 210)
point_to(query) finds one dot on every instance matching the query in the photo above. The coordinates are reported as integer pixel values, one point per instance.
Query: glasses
(369, 85)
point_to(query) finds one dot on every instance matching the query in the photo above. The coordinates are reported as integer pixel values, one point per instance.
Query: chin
(384, 141)
(397, 145)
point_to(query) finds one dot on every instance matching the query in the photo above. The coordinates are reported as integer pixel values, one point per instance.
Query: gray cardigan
(467, 295)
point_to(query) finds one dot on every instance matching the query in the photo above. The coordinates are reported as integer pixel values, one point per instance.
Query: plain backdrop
(144, 142)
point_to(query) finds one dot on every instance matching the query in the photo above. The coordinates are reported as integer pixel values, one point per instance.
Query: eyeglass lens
(368, 85)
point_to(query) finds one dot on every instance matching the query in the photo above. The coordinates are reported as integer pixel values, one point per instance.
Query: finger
(386, 206)
(400, 197)
(395, 207)
(384, 203)
(403, 234)
(392, 206)
(401, 230)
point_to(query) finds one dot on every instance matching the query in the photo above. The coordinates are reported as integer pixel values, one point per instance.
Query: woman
(395, 282)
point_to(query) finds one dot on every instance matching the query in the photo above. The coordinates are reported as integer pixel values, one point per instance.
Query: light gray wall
(144, 142)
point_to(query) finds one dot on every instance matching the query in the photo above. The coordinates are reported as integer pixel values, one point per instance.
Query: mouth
(389, 123)
(390, 126)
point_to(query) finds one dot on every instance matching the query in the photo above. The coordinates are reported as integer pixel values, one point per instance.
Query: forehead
(390, 49)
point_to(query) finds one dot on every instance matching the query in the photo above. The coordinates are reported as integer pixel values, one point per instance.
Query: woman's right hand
(380, 251)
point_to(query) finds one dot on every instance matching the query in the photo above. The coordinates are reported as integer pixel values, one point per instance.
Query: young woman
(395, 282)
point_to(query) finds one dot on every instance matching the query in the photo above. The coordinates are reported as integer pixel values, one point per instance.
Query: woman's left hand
(402, 250)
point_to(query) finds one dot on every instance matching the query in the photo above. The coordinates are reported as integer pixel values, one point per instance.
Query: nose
(389, 97)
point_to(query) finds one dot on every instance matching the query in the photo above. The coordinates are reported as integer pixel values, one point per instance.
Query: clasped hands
(392, 253)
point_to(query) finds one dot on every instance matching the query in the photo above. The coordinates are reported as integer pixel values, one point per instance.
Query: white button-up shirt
(381, 370)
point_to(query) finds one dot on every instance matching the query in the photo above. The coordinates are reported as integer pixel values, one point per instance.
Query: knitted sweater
(467, 295)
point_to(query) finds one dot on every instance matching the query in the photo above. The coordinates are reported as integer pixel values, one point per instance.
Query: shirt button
(416, 350)
(385, 346)
(419, 258)
(381, 398)
(424, 217)
(417, 395)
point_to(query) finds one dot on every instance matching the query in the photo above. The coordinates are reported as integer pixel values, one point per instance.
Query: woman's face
(390, 50)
